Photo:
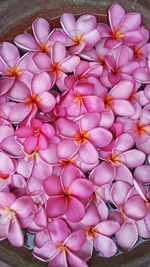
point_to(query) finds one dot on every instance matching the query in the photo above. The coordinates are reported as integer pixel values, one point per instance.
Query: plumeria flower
(27, 101)
(124, 28)
(36, 136)
(83, 32)
(99, 233)
(12, 67)
(66, 195)
(119, 65)
(58, 64)
(42, 38)
(60, 246)
(142, 74)
(81, 100)
(87, 134)
(14, 213)
(119, 158)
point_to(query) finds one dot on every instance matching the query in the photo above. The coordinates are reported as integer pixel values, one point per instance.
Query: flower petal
(105, 245)
(41, 30)
(100, 137)
(26, 41)
(123, 236)
(81, 188)
(135, 208)
(88, 153)
(75, 205)
(56, 206)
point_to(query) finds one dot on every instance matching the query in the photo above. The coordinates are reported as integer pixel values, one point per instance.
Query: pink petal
(50, 155)
(30, 144)
(131, 21)
(69, 63)
(68, 22)
(103, 174)
(135, 208)
(67, 128)
(41, 29)
(88, 153)
(125, 231)
(58, 260)
(74, 205)
(75, 261)
(86, 23)
(105, 245)
(24, 132)
(91, 217)
(56, 206)
(75, 241)
(93, 104)
(41, 82)
(66, 149)
(90, 121)
(91, 38)
(81, 188)
(123, 107)
(5, 84)
(142, 173)
(69, 175)
(15, 235)
(124, 174)
(19, 92)
(58, 230)
(52, 186)
(142, 229)
(26, 42)
(10, 54)
(123, 90)
(132, 38)
(129, 159)
(124, 142)
(100, 137)
(107, 228)
(47, 102)
(42, 142)
(6, 199)
(42, 61)
(119, 192)
(23, 206)
(142, 75)
(45, 252)
(113, 19)
(47, 130)
(6, 164)
(58, 52)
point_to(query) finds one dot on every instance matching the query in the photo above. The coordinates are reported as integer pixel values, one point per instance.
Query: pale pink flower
(83, 33)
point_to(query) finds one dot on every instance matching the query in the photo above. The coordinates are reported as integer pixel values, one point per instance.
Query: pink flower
(57, 64)
(29, 99)
(42, 38)
(83, 32)
(12, 67)
(59, 246)
(14, 212)
(66, 195)
(124, 28)
(142, 74)
(87, 134)
(36, 136)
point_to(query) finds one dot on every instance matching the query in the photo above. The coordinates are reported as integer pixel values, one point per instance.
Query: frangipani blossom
(14, 213)
(57, 64)
(12, 67)
(42, 38)
(60, 246)
(36, 136)
(83, 33)
(86, 134)
(7, 168)
(27, 101)
(142, 74)
(66, 195)
(124, 28)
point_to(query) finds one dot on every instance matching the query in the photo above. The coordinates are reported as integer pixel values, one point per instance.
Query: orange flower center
(81, 137)
(108, 101)
(30, 100)
(137, 52)
(36, 132)
(66, 162)
(55, 68)
(117, 34)
(77, 39)
(44, 48)
(61, 248)
(78, 99)
(140, 128)
(114, 158)
(90, 231)
(13, 72)
(101, 60)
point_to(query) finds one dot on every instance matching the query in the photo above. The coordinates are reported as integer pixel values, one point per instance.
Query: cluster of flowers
(75, 137)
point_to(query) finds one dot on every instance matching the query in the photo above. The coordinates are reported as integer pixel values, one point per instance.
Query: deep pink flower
(42, 38)
(37, 136)
(66, 195)
(14, 212)
(83, 33)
